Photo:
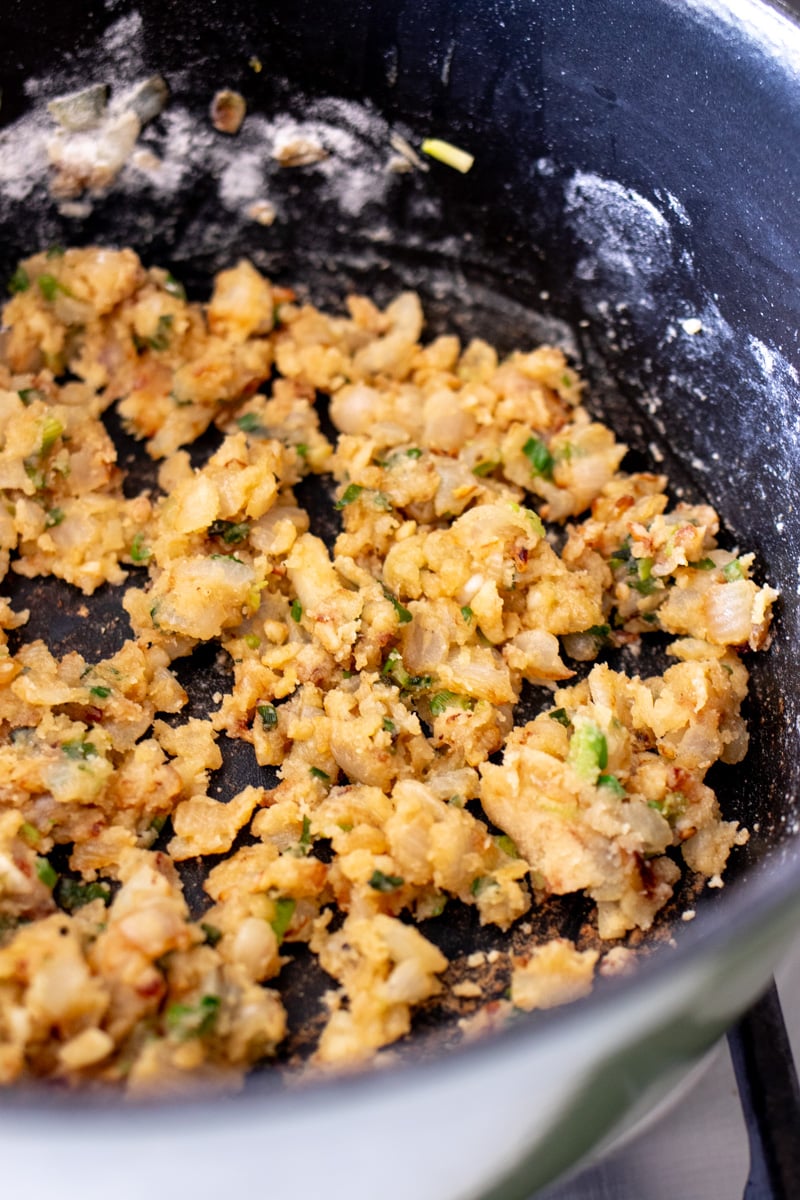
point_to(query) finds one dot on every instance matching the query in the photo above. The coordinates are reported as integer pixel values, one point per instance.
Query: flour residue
(352, 170)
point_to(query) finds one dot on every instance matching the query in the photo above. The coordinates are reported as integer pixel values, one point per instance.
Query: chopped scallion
(46, 873)
(351, 493)
(539, 457)
(385, 883)
(447, 153)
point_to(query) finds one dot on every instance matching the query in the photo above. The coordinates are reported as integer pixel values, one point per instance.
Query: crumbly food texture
(379, 676)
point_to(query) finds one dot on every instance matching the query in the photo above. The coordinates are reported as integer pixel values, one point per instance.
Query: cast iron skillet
(551, 98)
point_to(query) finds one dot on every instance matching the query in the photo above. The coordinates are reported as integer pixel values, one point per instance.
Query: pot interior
(614, 198)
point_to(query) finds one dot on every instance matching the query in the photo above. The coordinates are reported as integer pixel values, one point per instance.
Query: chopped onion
(729, 612)
(147, 99)
(81, 110)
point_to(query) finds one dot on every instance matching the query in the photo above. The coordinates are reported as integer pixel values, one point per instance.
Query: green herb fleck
(79, 749)
(161, 338)
(539, 457)
(250, 423)
(71, 893)
(301, 449)
(560, 715)
(621, 555)
(612, 783)
(185, 1021)
(505, 843)
(54, 517)
(318, 773)
(284, 911)
(351, 493)
(588, 750)
(385, 883)
(52, 430)
(27, 395)
(733, 570)
(29, 833)
(482, 469)
(704, 564)
(380, 500)
(467, 613)
(158, 822)
(174, 287)
(394, 668)
(46, 873)
(231, 532)
(598, 631)
(101, 692)
(19, 281)
(403, 615)
(305, 836)
(252, 640)
(296, 611)
(269, 715)
(139, 552)
(443, 700)
(213, 935)
(49, 287)
(389, 726)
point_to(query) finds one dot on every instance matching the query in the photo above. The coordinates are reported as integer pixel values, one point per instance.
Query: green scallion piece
(284, 911)
(231, 532)
(45, 873)
(71, 893)
(19, 281)
(185, 1021)
(174, 287)
(403, 615)
(507, 845)
(49, 287)
(588, 750)
(443, 700)
(296, 611)
(213, 935)
(268, 714)
(560, 715)
(351, 493)
(79, 749)
(249, 423)
(612, 783)
(385, 883)
(52, 430)
(539, 457)
(139, 552)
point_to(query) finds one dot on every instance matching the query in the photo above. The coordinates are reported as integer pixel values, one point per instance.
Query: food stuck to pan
(488, 542)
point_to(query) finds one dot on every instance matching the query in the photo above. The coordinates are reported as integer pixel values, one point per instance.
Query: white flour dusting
(353, 172)
(627, 238)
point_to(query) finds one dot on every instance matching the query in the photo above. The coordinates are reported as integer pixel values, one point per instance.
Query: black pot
(634, 193)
